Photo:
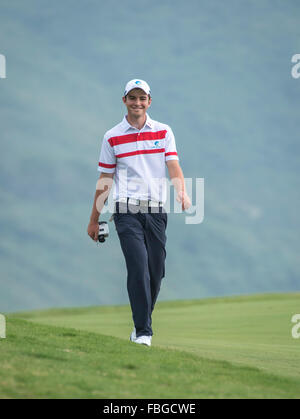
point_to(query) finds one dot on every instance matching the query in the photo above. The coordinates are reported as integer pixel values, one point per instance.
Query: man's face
(137, 102)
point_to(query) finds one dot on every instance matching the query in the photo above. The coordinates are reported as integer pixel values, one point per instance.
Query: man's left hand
(184, 199)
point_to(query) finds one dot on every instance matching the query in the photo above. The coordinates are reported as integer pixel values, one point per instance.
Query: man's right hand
(93, 230)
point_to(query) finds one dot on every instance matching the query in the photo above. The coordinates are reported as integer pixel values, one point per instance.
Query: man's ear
(124, 99)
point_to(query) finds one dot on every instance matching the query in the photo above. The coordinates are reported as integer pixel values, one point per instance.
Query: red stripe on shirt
(109, 166)
(172, 153)
(133, 153)
(143, 136)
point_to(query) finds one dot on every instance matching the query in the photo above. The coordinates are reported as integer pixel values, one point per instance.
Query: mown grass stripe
(47, 361)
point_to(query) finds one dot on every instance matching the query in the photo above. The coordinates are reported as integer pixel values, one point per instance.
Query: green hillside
(220, 74)
(54, 362)
(235, 347)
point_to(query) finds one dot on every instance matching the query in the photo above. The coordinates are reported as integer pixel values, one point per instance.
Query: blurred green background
(220, 75)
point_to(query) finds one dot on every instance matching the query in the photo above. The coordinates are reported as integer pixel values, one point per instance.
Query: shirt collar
(127, 126)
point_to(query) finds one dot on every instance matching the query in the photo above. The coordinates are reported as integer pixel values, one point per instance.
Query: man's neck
(138, 122)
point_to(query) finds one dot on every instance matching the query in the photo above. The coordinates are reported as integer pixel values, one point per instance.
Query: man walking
(135, 153)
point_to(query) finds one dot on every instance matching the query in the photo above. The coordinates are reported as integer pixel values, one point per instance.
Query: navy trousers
(142, 237)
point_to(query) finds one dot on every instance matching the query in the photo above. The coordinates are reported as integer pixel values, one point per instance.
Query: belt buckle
(143, 202)
(153, 203)
(133, 201)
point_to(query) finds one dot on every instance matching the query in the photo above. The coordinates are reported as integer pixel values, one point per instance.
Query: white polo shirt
(138, 159)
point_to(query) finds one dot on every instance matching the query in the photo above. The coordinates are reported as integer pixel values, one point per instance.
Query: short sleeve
(170, 152)
(107, 159)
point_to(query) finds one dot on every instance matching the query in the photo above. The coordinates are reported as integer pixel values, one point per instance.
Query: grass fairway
(235, 347)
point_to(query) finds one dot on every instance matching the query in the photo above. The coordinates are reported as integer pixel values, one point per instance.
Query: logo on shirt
(156, 144)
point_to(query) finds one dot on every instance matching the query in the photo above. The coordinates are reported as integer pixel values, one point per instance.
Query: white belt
(145, 202)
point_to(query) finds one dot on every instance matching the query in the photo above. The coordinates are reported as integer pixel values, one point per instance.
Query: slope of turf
(250, 330)
(55, 362)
